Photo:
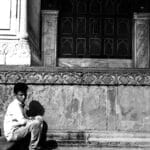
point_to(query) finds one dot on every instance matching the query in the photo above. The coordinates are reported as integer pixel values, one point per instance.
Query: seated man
(16, 125)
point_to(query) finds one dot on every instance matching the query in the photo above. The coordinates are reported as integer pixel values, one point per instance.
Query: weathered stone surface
(94, 108)
(72, 107)
(94, 148)
(133, 108)
(98, 63)
(111, 108)
(90, 107)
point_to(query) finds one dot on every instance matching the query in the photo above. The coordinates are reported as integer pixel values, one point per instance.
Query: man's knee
(36, 124)
(40, 118)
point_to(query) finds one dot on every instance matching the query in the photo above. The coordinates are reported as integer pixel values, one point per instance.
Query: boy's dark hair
(20, 87)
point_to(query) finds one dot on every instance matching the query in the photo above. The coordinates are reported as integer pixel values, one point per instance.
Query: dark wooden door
(95, 28)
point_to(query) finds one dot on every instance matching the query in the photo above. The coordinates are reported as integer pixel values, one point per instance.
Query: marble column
(49, 37)
(141, 42)
(14, 42)
(23, 20)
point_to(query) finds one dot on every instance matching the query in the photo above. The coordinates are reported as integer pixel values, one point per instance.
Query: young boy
(16, 125)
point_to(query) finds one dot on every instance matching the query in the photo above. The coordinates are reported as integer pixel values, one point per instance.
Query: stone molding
(35, 75)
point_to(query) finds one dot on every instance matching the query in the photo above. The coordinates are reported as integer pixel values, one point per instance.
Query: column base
(15, 52)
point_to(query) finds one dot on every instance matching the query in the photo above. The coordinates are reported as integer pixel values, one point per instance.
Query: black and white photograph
(74, 74)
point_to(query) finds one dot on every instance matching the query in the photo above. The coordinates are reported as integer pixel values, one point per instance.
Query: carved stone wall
(60, 76)
(93, 108)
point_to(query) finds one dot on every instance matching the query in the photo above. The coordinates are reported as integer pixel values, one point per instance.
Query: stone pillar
(141, 40)
(49, 37)
(14, 44)
(23, 20)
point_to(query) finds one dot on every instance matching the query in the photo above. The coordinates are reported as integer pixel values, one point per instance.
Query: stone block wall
(103, 108)
(100, 108)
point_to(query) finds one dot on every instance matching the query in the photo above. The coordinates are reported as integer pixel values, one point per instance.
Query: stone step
(20, 145)
(94, 148)
(53, 145)
(94, 141)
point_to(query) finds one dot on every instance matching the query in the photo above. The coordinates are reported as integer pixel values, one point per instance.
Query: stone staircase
(99, 141)
(75, 146)
(63, 140)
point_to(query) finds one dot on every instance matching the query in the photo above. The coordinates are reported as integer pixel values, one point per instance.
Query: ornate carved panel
(49, 36)
(67, 45)
(80, 46)
(108, 47)
(96, 19)
(109, 27)
(95, 46)
(81, 25)
(67, 25)
(15, 52)
(123, 27)
(10, 75)
(95, 26)
(122, 47)
(141, 40)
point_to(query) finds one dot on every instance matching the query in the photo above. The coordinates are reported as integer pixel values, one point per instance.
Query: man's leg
(34, 127)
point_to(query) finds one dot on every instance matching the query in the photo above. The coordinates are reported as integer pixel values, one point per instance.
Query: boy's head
(20, 91)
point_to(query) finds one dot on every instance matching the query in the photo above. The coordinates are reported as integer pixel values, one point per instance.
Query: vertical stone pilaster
(49, 37)
(141, 40)
(23, 20)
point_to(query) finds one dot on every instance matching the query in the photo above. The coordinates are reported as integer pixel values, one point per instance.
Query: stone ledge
(63, 76)
(100, 139)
